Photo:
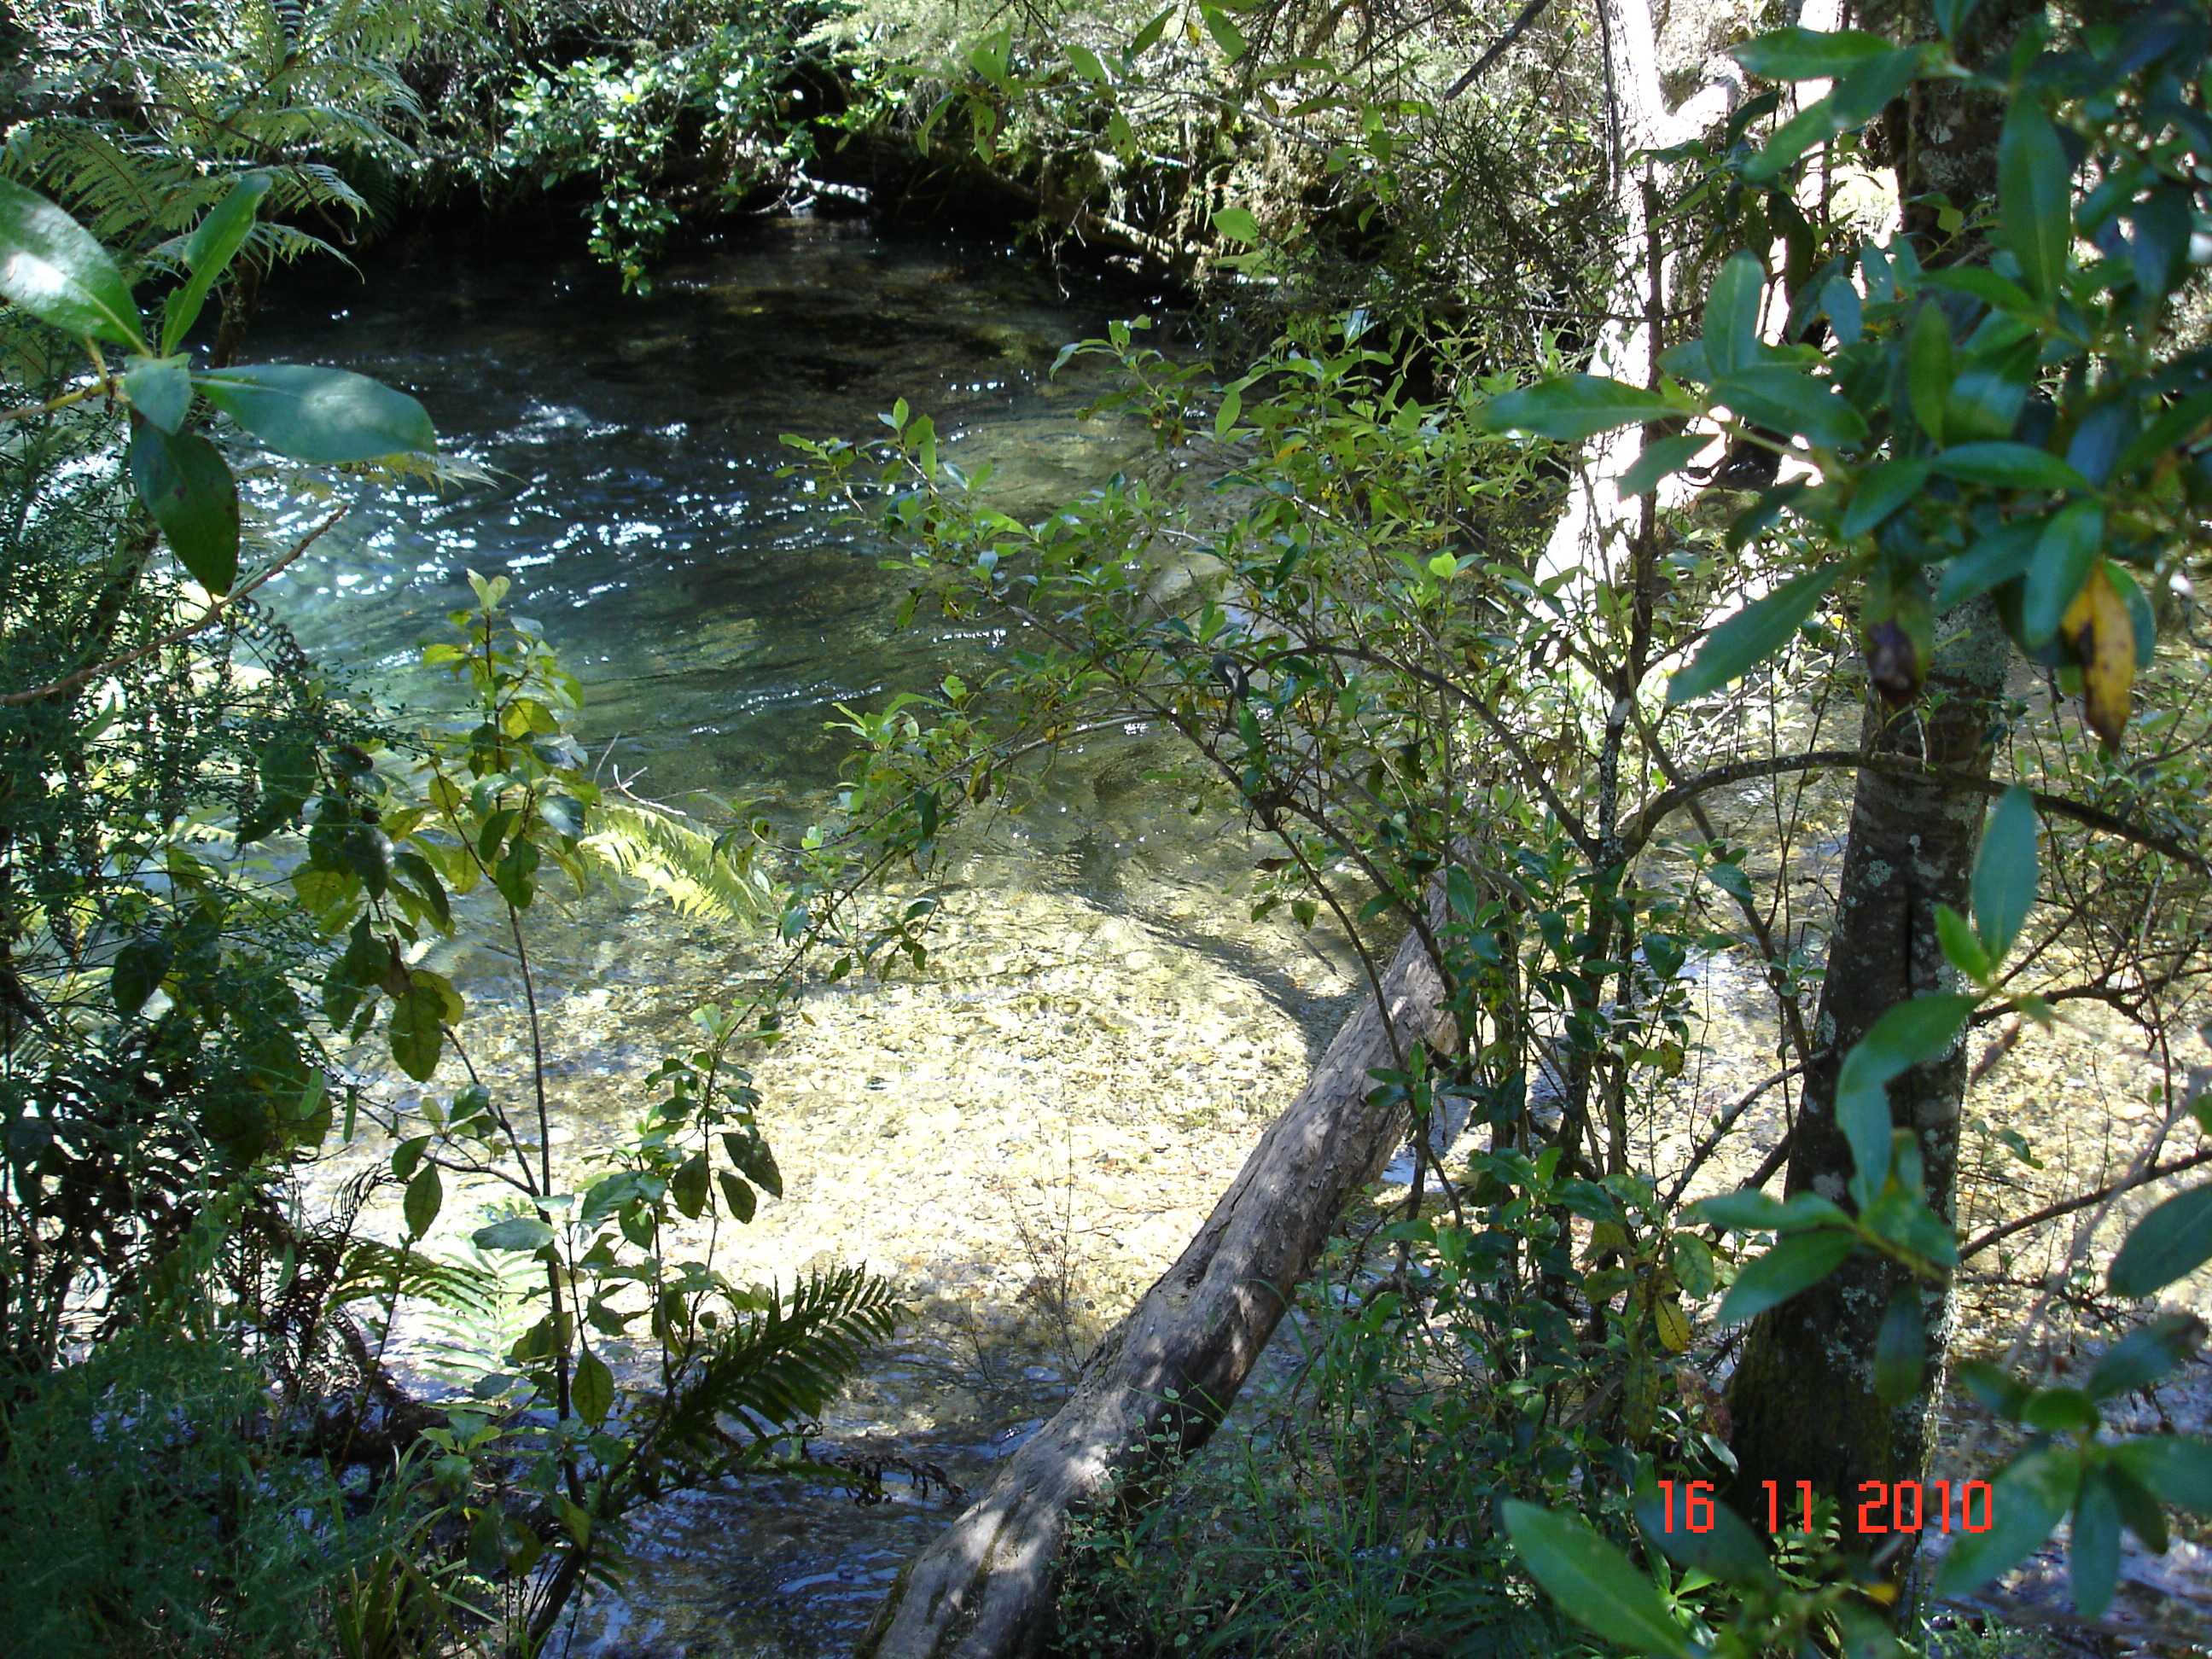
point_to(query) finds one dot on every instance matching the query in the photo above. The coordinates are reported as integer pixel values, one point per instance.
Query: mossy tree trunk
(1802, 1397)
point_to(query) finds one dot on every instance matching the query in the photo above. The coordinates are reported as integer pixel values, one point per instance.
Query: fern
(465, 1338)
(189, 96)
(376, 1271)
(785, 1364)
(707, 878)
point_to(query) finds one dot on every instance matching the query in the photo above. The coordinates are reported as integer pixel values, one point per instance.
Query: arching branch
(1641, 827)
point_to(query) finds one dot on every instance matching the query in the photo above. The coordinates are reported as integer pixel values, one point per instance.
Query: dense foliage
(1926, 460)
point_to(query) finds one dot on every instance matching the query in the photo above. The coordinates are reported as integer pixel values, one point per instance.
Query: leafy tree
(1355, 640)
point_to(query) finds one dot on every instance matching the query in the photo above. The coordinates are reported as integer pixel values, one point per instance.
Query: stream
(1021, 1135)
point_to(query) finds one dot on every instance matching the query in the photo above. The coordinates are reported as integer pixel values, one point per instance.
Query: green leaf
(1900, 1348)
(1753, 634)
(517, 1232)
(1998, 1390)
(1694, 1264)
(1238, 224)
(2139, 1507)
(1858, 95)
(1803, 54)
(215, 243)
(2059, 1411)
(2177, 1468)
(2064, 556)
(138, 970)
(1787, 398)
(2005, 873)
(327, 416)
(2025, 1503)
(1661, 458)
(2146, 1354)
(2093, 1553)
(1574, 407)
(368, 853)
(1731, 321)
(1880, 493)
(56, 270)
(186, 486)
(751, 1154)
(1928, 370)
(515, 875)
(1989, 563)
(1795, 1262)
(1225, 33)
(417, 1032)
(1593, 1582)
(1726, 1550)
(2008, 465)
(2035, 197)
(1233, 405)
(592, 1390)
(1914, 1031)
(1841, 301)
(1951, 15)
(2173, 1240)
(738, 1196)
(1815, 124)
(1979, 281)
(1747, 1210)
(159, 388)
(1961, 949)
(426, 1195)
(687, 1186)
(1810, 1212)
(1085, 63)
(1147, 37)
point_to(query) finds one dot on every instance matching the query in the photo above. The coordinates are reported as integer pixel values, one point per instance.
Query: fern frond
(375, 1272)
(707, 878)
(785, 1364)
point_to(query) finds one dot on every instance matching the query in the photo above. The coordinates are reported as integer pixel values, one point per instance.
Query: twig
(1725, 1122)
(1498, 47)
(2066, 1206)
(1642, 827)
(70, 683)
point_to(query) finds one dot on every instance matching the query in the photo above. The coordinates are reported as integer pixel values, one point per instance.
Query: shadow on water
(1020, 1136)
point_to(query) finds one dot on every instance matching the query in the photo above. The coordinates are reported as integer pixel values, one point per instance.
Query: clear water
(714, 610)
(1104, 1030)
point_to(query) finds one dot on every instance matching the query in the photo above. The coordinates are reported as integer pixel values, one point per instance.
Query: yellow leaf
(2102, 634)
(1605, 1236)
(1673, 1326)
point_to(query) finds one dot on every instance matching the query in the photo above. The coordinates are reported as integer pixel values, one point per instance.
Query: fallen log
(1161, 1381)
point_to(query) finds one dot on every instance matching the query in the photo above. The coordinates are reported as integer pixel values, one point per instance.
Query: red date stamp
(1884, 1506)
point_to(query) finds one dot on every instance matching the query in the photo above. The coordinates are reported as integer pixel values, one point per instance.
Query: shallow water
(1024, 1134)
(1020, 1136)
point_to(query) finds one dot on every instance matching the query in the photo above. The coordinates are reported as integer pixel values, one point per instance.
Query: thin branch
(1498, 47)
(76, 681)
(1724, 1123)
(1646, 823)
(2066, 1206)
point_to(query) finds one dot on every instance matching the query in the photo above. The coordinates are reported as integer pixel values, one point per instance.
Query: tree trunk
(1160, 1384)
(1595, 515)
(1802, 1397)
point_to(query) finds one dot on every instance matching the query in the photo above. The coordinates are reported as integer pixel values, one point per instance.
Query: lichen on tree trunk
(1803, 1397)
